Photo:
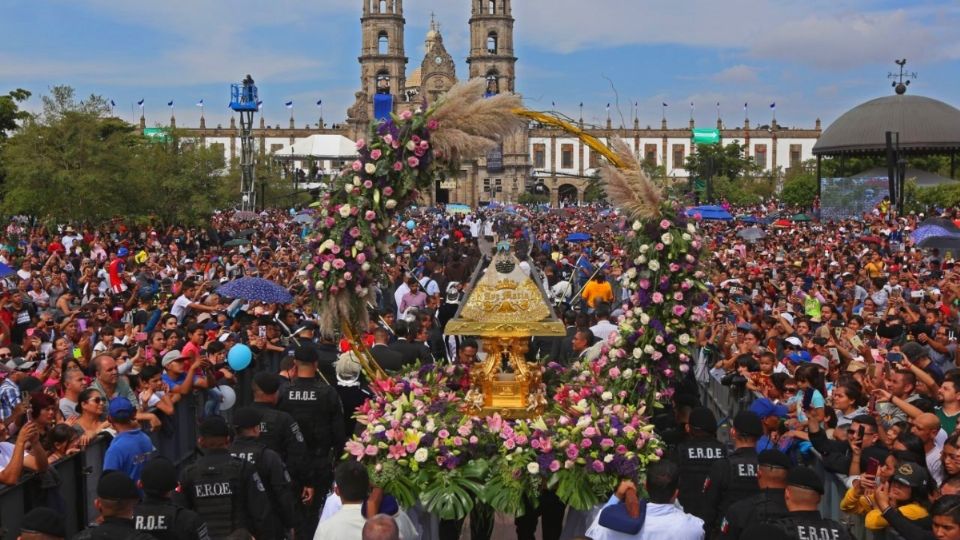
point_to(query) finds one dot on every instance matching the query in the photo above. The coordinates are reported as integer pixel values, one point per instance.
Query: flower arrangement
(399, 157)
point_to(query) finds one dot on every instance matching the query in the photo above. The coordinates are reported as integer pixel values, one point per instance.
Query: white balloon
(228, 397)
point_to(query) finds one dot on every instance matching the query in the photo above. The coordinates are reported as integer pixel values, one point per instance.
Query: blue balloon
(411, 225)
(239, 357)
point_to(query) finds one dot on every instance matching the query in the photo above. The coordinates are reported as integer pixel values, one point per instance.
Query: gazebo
(914, 125)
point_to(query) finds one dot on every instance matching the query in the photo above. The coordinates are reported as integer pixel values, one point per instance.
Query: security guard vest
(157, 519)
(694, 458)
(215, 491)
(310, 403)
(811, 526)
(247, 450)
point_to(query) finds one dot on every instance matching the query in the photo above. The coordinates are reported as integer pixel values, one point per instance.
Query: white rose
(653, 266)
(420, 455)
(644, 319)
(345, 211)
(390, 204)
(686, 237)
(644, 248)
(348, 188)
(627, 373)
(636, 225)
(416, 424)
(358, 245)
(648, 349)
(691, 228)
(641, 259)
(318, 284)
(379, 428)
(666, 238)
(370, 168)
(533, 467)
(638, 353)
(365, 267)
(608, 458)
(684, 339)
(606, 396)
(326, 266)
(631, 273)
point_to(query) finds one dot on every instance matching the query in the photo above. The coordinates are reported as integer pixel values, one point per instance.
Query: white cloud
(740, 73)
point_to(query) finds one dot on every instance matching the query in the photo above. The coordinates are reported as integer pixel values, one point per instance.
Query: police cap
(306, 354)
(214, 426)
(116, 486)
(158, 475)
(43, 520)
(268, 383)
(246, 417)
(910, 474)
(703, 419)
(774, 458)
(806, 478)
(748, 423)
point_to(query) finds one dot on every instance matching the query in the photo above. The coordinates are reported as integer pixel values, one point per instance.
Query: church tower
(438, 72)
(491, 44)
(383, 62)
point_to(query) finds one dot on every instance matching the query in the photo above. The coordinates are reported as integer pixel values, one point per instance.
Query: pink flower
(370, 450)
(590, 431)
(473, 439)
(464, 430)
(354, 448)
(432, 124)
(361, 143)
(597, 465)
(406, 115)
(443, 434)
(357, 165)
(335, 249)
(671, 348)
(665, 224)
(361, 258)
(398, 166)
(659, 246)
(388, 191)
(413, 162)
(376, 154)
(494, 423)
(367, 184)
(347, 276)
(509, 444)
(370, 215)
(586, 443)
(621, 449)
(679, 310)
(674, 267)
(339, 264)
(354, 232)
(657, 298)
(554, 466)
(614, 372)
(697, 216)
(572, 451)
(397, 451)
(535, 443)
(388, 138)
(678, 296)
(644, 283)
(329, 222)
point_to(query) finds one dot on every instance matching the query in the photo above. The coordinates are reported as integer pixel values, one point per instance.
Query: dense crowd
(837, 339)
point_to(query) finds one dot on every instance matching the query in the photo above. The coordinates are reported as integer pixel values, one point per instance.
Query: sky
(813, 58)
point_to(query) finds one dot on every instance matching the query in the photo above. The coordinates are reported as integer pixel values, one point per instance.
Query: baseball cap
(703, 419)
(306, 354)
(246, 417)
(764, 408)
(748, 423)
(171, 356)
(45, 521)
(121, 409)
(799, 357)
(116, 485)
(774, 458)
(268, 383)
(214, 426)
(789, 318)
(158, 475)
(913, 350)
(794, 341)
(821, 361)
(123, 252)
(910, 474)
(806, 478)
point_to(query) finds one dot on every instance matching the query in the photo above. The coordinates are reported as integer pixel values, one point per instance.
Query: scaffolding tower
(243, 99)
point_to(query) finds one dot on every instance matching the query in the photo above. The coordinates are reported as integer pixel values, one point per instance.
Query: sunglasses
(6, 355)
(97, 400)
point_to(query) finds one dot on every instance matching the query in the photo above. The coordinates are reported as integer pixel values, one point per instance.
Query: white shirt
(346, 524)
(180, 307)
(662, 521)
(334, 505)
(934, 464)
(603, 329)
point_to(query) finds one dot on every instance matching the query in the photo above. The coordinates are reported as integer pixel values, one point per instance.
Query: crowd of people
(837, 340)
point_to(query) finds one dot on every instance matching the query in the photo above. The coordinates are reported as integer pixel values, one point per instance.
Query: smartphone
(140, 337)
(894, 357)
(873, 465)
(262, 331)
(82, 325)
(135, 350)
(856, 342)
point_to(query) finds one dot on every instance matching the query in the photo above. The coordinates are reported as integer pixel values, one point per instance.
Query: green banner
(706, 136)
(157, 134)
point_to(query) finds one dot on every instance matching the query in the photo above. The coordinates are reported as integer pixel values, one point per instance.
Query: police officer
(316, 407)
(247, 445)
(278, 430)
(695, 455)
(117, 496)
(803, 521)
(157, 514)
(226, 491)
(767, 505)
(734, 477)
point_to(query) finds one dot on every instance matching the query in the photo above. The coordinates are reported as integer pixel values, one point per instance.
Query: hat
(821, 361)
(214, 426)
(246, 417)
(171, 356)
(806, 478)
(123, 252)
(774, 458)
(25, 366)
(43, 520)
(268, 383)
(158, 475)
(229, 336)
(306, 354)
(121, 410)
(799, 357)
(748, 423)
(116, 485)
(703, 419)
(855, 366)
(794, 341)
(203, 317)
(746, 327)
(308, 325)
(913, 351)
(789, 318)
(764, 408)
(910, 474)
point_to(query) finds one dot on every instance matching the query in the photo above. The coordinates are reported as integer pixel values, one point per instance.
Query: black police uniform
(227, 492)
(113, 528)
(730, 479)
(694, 457)
(161, 518)
(275, 478)
(809, 525)
(768, 505)
(281, 433)
(316, 407)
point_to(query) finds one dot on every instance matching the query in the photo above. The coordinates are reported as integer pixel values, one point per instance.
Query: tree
(727, 160)
(799, 188)
(10, 113)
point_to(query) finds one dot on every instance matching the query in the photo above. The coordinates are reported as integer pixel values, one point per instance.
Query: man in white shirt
(664, 519)
(352, 486)
(604, 327)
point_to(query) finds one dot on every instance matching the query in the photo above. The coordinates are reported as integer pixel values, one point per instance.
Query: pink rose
(357, 165)
(443, 434)
(606, 443)
(398, 166)
(375, 155)
(329, 222)
(597, 465)
(665, 224)
(361, 258)
(679, 310)
(509, 444)
(413, 162)
(339, 264)
(554, 466)
(678, 296)
(354, 232)
(657, 298)
(367, 184)
(572, 451)
(388, 138)
(347, 276)
(406, 115)
(360, 144)
(388, 191)
(370, 215)
(432, 124)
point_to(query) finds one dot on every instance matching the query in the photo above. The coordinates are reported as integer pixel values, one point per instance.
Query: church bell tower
(383, 62)
(491, 44)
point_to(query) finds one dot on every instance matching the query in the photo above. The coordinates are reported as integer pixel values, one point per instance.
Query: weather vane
(899, 84)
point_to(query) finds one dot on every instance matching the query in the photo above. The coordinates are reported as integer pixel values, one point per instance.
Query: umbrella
(927, 231)
(236, 242)
(244, 215)
(254, 288)
(578, 237)
(5, 270)
(710, 212)
(458, 209)
(752, 234)
(303, 218)
(944, 223)
(801, 217)
(782, 224)
(748, 219)
(943, 243)
(245, 233)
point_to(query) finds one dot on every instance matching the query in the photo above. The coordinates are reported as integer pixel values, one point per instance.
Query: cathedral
(559, 164)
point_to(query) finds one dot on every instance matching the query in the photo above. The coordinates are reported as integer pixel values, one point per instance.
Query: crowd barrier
(725, 404)
(70, 487)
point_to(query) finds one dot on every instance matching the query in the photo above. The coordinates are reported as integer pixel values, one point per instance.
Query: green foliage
(799, 188)
(743, 191)
(532, 198)
(507, 489)
(580, 489)
(452, 495)
(10, 113)
(918, 199)
(75, 162)
(727, 160)
(594, 191)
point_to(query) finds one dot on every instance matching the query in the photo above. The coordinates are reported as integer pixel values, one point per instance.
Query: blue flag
(140, 103)
(170, 103)
(773, 105)
(112, 104)
(288, 104)
(200, 103)
(319, 102)
(664, 104)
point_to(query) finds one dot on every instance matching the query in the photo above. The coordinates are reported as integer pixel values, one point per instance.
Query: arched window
(492, 7)
(383, 6)
(492, 43)
(493, 82)
(383, 43)
(383, 82)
